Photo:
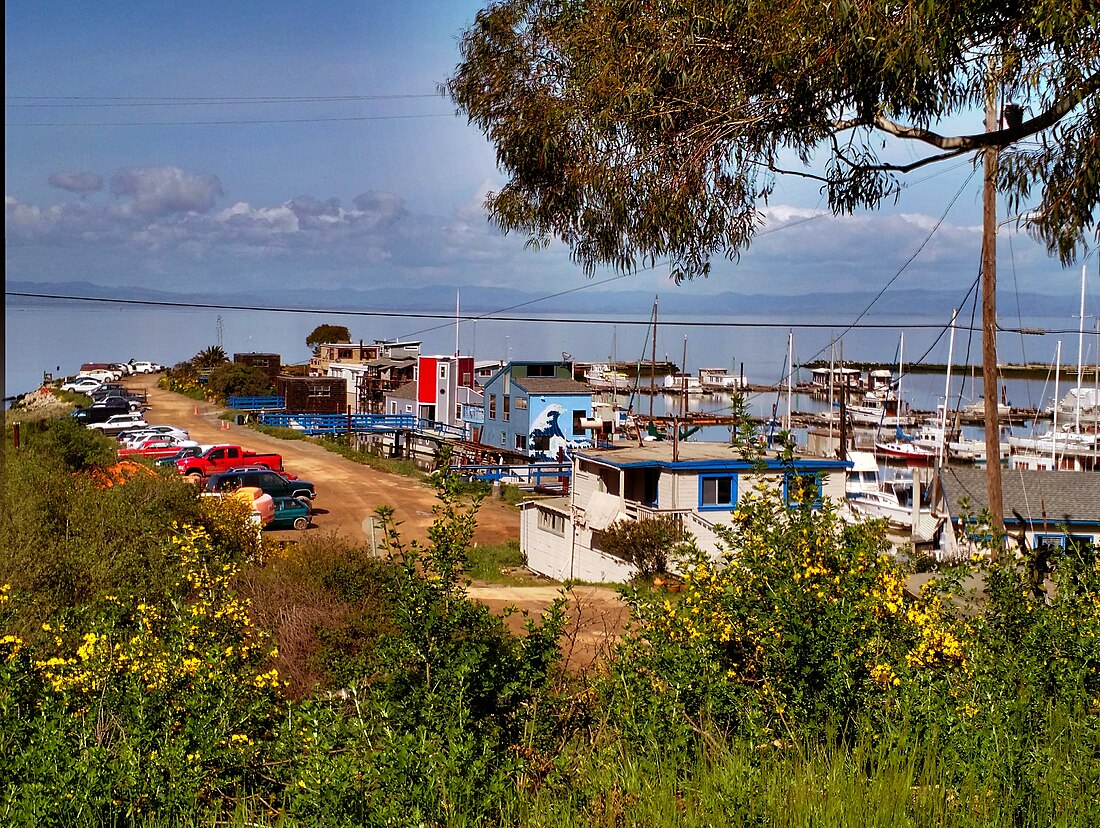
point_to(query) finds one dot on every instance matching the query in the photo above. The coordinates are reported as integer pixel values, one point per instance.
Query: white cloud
(160, 191)
(84, 182)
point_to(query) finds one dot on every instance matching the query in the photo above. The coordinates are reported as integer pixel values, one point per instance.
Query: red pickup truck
(223, 457)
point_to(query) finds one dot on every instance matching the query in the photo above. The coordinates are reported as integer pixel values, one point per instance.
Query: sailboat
(1073, 446)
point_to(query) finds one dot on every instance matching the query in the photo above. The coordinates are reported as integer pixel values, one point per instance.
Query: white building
(697, 483)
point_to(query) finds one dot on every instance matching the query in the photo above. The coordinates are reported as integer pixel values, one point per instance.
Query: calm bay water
(54, 336)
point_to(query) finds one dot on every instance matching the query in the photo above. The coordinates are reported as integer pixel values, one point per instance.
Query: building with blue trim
(1055, 509)
(536, 409)
(699, 484)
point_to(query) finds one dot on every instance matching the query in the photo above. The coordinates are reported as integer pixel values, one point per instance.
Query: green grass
(500, 564)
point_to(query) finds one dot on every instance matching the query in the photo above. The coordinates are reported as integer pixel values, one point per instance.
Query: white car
(145, 367)
(85, 385)
(120, 422)
(132, 436)
(101, 374)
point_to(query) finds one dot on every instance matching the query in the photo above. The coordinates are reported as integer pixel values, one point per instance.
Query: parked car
(123, 368)
(291, 513)
(226, 456)
(182, 454)
(101, 374)
(284, 472)
(154, 447)
(270, 482)
(131, 403)
(100, 412)
(145, 367)
(84, 385)
(131, 435)
(119, 422)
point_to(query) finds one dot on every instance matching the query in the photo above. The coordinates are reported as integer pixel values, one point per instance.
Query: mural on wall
(545, 437)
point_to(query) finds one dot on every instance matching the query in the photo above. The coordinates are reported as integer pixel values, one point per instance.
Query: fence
(255, 403)
(530, 476)
(315, 424)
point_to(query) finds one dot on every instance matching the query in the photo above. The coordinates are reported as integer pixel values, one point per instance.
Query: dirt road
(348, 494)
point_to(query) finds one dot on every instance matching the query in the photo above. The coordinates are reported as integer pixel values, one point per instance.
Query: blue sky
(390, 192)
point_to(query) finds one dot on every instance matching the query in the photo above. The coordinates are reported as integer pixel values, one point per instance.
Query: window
(551, 522)
(541, 443)
(506, 407)
(320, 391)
(344, 353)
(540, 370)
(577, 417)
(717, 492)
(458, 412)
(503, 439)
(521, 403)
(443, 371)
(800, 488)
(492, 406)
(521, 442)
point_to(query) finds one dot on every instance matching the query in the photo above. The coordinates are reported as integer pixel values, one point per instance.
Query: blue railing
(533, 475)
(314, 424)
(255, 403)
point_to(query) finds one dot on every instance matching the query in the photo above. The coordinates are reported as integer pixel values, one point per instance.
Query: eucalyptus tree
(636, 130)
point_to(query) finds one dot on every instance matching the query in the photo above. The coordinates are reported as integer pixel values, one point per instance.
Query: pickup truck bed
(221, 457)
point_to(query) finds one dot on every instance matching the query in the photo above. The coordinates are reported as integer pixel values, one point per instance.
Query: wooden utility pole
(990, 376)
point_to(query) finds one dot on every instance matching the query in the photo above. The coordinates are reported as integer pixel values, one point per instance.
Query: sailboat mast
(684, 382)
(947, 391)
(458, 316)
(790, 375)
(901, 370)
(1057, 405)
(653, 362)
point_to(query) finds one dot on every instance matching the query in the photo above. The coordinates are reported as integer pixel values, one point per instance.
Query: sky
(388, 189)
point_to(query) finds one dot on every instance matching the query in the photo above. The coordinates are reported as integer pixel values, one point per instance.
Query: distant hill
(673, 301)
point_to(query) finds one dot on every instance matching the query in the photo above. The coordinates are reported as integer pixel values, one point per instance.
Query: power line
(220, 100)
(444, 315)
(230, 122)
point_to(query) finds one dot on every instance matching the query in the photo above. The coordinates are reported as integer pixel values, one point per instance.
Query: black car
(100, 412)
(271, 483)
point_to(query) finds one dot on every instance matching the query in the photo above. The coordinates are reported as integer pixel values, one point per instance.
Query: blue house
(537, 409)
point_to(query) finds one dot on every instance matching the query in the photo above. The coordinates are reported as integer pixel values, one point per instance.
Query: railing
(255, 403)
(314, 424)
(530, 476)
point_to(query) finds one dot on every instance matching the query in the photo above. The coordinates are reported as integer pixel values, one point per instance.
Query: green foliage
(644, 136)
(210, 357)
(236, 379)
(499, 564)
(70, 443)
(649, 543)
(794, 682)
(324, 334)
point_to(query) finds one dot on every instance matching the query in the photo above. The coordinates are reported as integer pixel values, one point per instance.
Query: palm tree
(210, 357)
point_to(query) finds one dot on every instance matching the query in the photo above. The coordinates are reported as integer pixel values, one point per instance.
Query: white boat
(681, 383)
(720, 379)
(602, 377)
(878, 409)
(872, 497)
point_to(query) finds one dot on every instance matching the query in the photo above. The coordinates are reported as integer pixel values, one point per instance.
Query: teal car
(290, 513)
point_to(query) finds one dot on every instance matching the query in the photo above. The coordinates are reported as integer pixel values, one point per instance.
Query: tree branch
(999, 138)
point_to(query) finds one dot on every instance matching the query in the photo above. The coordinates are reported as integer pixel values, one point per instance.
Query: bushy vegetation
(159, 665)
